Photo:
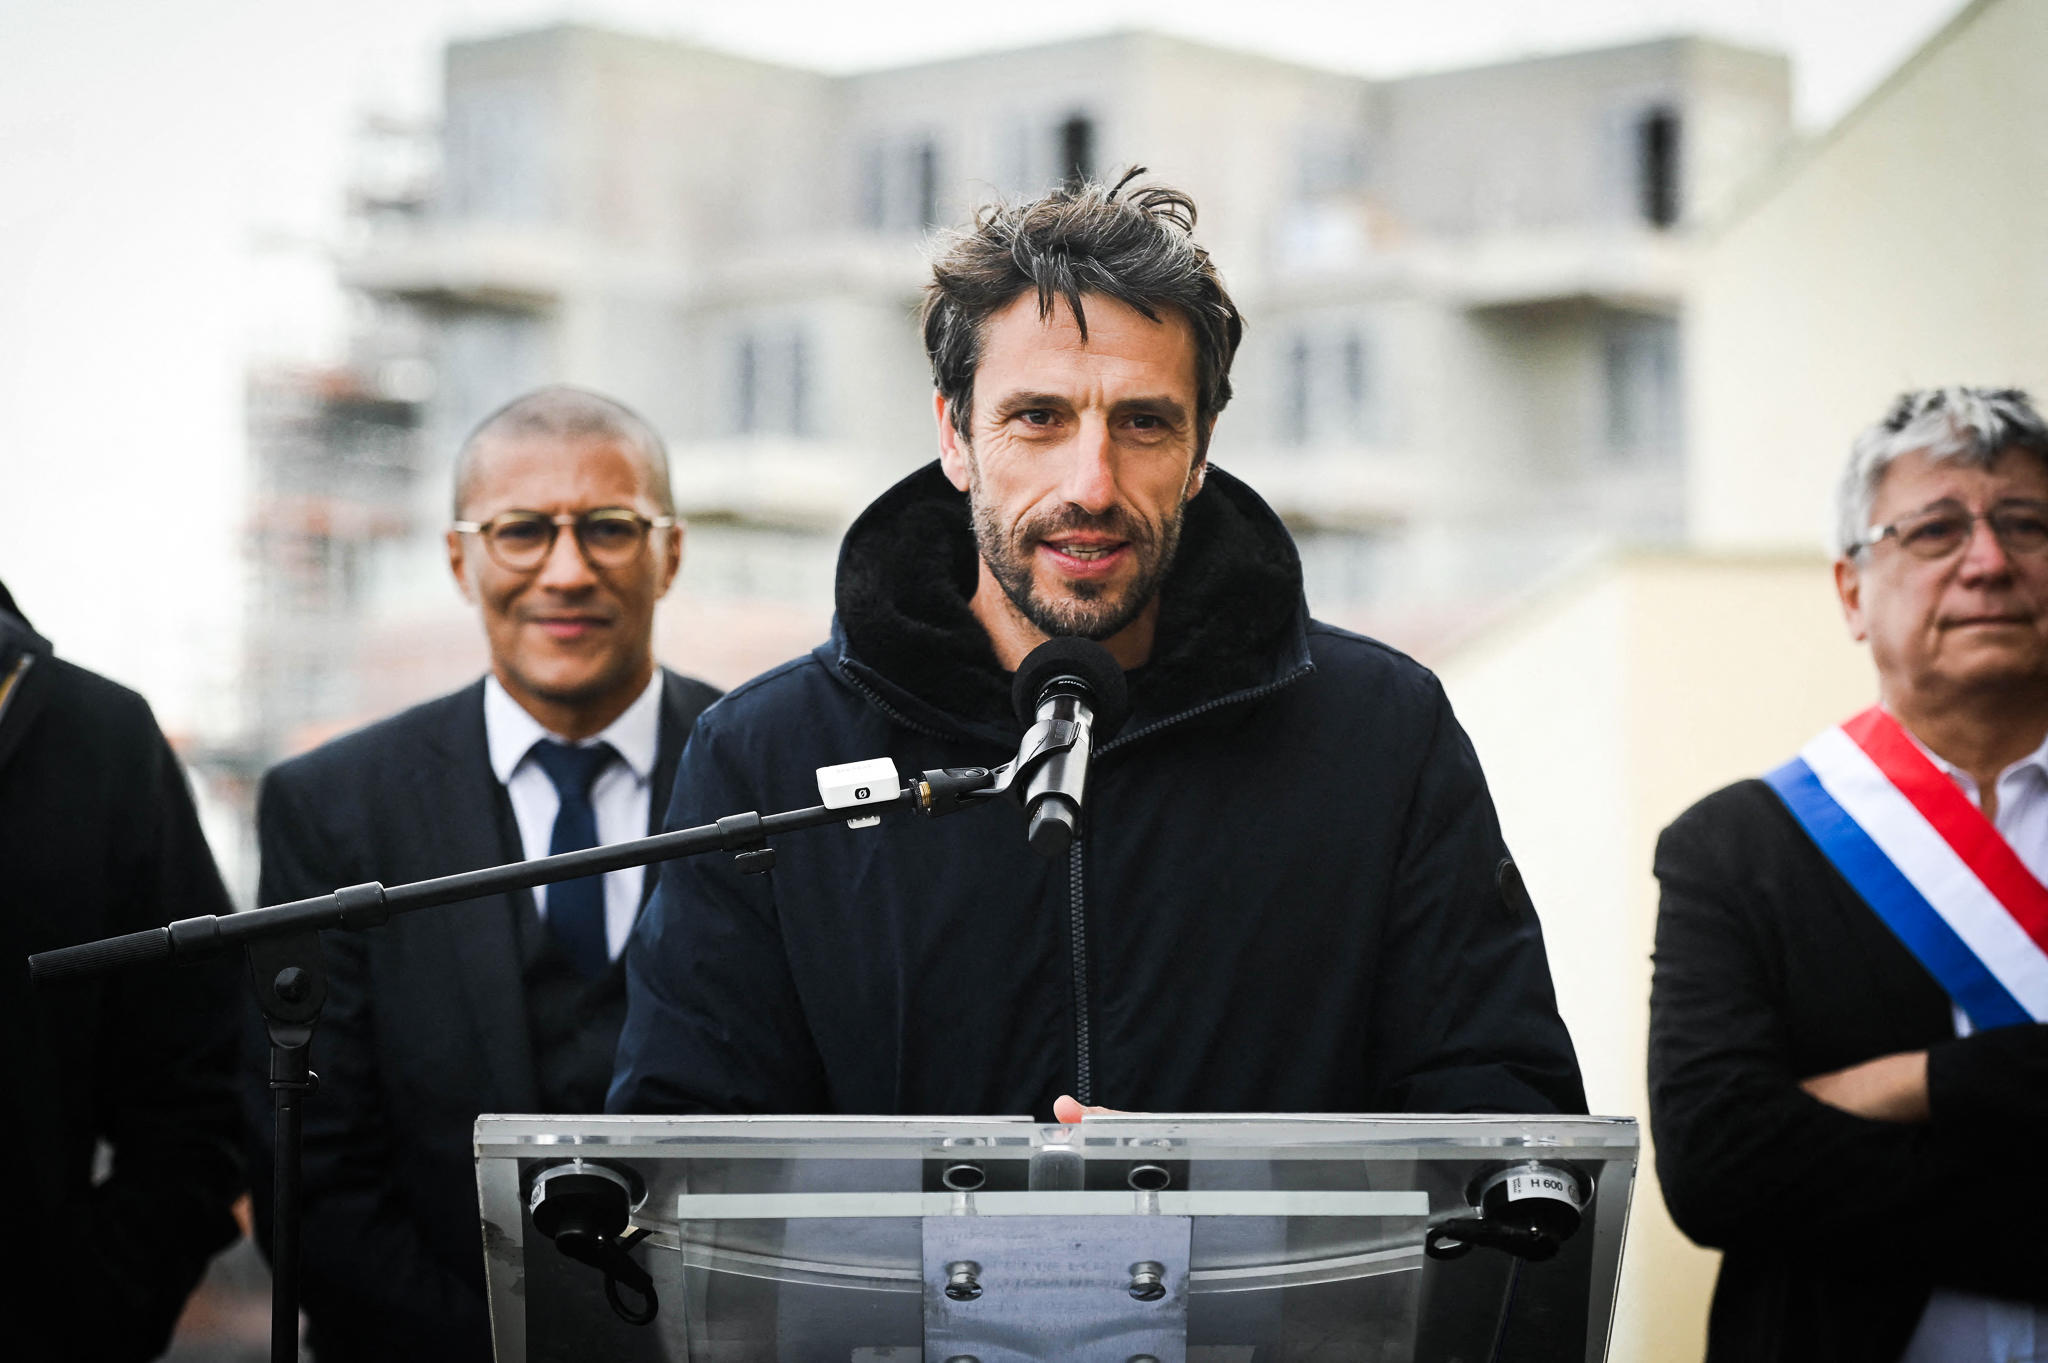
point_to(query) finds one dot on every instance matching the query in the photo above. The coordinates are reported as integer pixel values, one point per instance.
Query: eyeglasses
(2021, 529)
(609, 536)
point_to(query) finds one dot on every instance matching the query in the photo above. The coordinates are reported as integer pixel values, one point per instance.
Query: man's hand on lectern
(1068, 1110)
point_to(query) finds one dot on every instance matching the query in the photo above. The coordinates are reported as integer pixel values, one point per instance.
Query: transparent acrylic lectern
(1180, 1239)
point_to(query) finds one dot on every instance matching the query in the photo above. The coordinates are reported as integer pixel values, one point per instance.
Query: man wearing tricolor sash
(1849, 1016)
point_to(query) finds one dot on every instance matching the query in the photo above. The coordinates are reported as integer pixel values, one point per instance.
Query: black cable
(1507, 1306)
(1455, 1238)
(621, 1271)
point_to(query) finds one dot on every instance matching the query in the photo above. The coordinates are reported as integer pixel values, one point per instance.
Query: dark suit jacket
(425, 1025)
(97, 837)
(1771, 969)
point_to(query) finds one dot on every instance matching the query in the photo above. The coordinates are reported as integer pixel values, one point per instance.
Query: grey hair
(564, 413)
(1973, 426)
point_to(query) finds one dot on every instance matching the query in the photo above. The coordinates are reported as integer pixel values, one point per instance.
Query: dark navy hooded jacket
(1291, 894)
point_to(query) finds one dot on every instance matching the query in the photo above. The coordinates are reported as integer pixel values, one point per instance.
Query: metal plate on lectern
(1027, 1288)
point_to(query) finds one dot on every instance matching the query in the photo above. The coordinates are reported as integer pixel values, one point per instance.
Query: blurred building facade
(1465, 293)
(334, 460)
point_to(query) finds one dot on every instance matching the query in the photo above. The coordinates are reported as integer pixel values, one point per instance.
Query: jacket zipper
(1077, 903)
(1077, 917)
(1234, 698)
(1077, 944)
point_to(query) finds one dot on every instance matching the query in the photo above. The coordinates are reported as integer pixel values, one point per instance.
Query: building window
(1077, 149)
(799, 385)
(1657, 150)
(1328, 385)
(485, 357)
(1294, 410)
(771, 382)
(899, 184)
(874, 187)
(1351, 350)
(746, 385)
(1640, 365)
(1016, 164)
(1330, 162)
(496, 154)
(924, 174)
(1341, 567)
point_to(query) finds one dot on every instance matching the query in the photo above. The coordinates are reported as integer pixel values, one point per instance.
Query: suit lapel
(26, 675)
(668, 752)
(459, 799)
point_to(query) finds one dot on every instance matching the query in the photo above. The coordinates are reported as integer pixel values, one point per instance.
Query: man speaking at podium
(1848, 1067)
(1291, 893)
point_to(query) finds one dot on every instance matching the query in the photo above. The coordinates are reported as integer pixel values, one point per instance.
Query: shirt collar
(510, 732)
(2037, 759)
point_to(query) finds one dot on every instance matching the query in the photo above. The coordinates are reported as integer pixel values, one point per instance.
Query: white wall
(1904, 250)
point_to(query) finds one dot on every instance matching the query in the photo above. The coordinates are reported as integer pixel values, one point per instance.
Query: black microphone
(1065, 689)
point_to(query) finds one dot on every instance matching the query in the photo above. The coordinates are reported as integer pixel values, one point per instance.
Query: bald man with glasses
(1849, 1015)
(564, 538)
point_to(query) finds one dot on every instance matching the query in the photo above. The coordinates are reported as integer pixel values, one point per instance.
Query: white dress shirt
(1962, 1327)
(619, 796)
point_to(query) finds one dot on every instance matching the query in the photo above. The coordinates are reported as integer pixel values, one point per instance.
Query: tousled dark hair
(1136, 247)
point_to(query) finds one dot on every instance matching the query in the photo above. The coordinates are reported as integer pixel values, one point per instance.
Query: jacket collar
(674, 730)
(1231, 614)
(25, 675)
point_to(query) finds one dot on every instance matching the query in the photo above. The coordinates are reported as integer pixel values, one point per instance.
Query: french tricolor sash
(1928, 861)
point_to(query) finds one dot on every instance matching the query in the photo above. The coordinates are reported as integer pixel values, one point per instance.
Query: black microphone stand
(282, 944)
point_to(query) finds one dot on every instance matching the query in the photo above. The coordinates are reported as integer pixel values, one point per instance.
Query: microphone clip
(1064, 691)
(947, 790)
(944, 790)
(1042, 741)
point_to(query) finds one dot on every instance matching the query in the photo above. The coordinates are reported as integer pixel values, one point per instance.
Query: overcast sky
(168, 171)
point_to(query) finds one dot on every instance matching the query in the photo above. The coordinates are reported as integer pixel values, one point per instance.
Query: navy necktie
(576, 907)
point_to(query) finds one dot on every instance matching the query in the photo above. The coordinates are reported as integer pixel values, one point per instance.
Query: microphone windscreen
(1083, 659)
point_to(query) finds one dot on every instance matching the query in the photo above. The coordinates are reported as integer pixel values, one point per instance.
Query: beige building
(1903, 248)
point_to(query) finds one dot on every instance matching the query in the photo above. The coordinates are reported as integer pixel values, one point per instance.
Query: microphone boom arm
(282, 941)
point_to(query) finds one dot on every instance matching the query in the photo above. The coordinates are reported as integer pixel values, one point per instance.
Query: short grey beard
(1087, 615)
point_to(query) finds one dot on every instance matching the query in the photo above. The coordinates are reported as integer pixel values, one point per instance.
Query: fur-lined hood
(1231, 618)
